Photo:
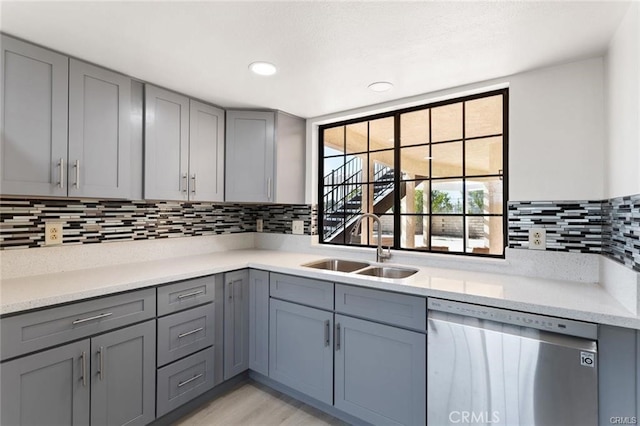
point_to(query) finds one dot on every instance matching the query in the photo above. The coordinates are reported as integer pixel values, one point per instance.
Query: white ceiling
(327, 52)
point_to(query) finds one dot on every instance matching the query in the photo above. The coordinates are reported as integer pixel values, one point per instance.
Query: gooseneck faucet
(380, 254)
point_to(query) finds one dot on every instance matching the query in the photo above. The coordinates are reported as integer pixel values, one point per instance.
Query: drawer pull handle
(181, 384)
(84, 369)
(180, 336)
(80, 321)
(193, 293)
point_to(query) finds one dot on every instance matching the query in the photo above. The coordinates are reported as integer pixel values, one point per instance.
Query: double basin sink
(361, 268)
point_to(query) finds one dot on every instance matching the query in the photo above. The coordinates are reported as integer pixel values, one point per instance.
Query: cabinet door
(236, 323)
(250, 150)
(33, 119)
(380, 372)
(301, 350)
(99, 136)
(123, 367)
(166, 142)
(206, 152)
(259, 321)
(48, 388)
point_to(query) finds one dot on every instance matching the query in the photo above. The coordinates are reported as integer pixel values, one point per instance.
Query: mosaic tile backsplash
(96, 221)
(621, 231)
(608, 227)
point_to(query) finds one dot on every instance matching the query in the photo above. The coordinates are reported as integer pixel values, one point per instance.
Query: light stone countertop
(574, 300)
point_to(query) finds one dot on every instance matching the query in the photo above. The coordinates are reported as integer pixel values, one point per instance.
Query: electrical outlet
(259, 225)
(297, 227)
(537, 239)
(52, 233)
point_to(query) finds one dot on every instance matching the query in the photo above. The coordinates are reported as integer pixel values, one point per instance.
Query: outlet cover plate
(52, 233)
(297, 227)
(537, 239)
(259, 225)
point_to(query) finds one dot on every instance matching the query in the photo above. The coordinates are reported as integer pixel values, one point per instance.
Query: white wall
(557, 131)
(622, 80)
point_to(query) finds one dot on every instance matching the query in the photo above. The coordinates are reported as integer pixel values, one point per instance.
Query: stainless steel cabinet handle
(185, 183)
(190, 380)
(338, 337)
(77, 167)
(61, 180)
(79, 321)
(193, 178)
(231, 290)
(326, 332)
(193, 293)
(181, 335)
(269, 189)
(84, 369)
(101, 371)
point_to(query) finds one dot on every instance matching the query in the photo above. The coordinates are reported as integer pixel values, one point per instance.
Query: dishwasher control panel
(540, 322)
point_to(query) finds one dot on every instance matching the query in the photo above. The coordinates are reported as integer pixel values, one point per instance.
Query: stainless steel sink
(340, 265)
(387, 272)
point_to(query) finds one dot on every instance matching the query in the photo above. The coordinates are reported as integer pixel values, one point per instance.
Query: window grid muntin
(398, 167)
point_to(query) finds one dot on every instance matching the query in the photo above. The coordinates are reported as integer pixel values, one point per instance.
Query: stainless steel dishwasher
(488, 366)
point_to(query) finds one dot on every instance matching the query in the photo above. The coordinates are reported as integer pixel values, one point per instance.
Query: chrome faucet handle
(381, 255)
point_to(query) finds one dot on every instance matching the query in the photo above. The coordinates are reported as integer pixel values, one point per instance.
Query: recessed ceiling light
(263, 68)
(380, 86)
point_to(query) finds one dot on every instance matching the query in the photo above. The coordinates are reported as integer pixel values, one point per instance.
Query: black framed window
(436, 175)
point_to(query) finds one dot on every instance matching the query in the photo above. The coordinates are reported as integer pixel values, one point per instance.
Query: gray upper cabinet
(184, 148)
(206, 152)
(48, 388)
(264, 157)
(236, 323)
(166, 165)
(33, 118)
(66, 126)
(99, 134)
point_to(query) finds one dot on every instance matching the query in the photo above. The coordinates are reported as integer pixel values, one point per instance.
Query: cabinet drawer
(382, 306)
(184, 333)
(30, 332)
(185, 294)
(302, 290)
(182, 381)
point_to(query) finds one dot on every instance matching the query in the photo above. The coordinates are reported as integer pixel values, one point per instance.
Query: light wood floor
(254, 404)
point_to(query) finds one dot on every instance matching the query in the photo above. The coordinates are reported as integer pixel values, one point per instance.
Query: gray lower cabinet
(236, 323)
(48, 388)
(106, 380)
(301, 349)
(34, 119)
(380, 372)
(259, 321)
(123, 376)
(183, 380)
